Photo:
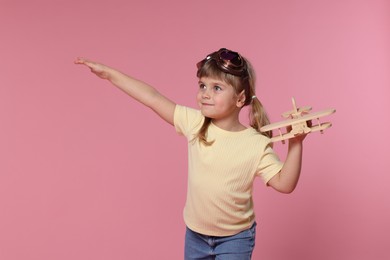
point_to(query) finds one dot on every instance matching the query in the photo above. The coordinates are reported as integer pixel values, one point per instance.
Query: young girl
(224, 155)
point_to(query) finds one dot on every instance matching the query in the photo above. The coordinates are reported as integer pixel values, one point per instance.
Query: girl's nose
(206, 94)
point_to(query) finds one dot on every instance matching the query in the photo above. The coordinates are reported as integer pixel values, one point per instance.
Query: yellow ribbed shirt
(220, 177)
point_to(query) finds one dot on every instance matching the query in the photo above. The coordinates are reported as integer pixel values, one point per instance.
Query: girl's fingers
(94, 67)
(82, 61)
(79, 60)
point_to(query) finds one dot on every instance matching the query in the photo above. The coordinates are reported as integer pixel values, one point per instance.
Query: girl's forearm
(287, 179)
(292, 166)
(137, 89)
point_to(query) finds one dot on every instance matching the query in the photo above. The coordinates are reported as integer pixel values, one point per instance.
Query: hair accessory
(253, 97)
(228, 61)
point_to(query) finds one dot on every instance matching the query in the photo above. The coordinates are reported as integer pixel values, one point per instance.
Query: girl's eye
(202, 86)
(217, 88)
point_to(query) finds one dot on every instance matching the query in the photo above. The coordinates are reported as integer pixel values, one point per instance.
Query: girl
(224, 155)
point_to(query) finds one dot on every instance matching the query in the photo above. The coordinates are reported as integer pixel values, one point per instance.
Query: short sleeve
(269, 164)
(187, 120)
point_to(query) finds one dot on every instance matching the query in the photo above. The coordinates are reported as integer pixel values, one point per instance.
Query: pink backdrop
(87, 173)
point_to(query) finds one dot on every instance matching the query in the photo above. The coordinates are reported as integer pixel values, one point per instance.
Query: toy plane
(297, 119)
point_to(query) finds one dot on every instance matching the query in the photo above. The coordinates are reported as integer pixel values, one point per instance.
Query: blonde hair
(257, 114)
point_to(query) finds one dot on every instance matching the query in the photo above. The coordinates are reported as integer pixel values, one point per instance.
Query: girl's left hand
(299, 138)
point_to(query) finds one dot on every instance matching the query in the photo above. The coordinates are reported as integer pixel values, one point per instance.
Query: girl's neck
(232, 126)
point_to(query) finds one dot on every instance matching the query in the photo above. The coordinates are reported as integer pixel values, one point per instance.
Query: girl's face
(218, 100)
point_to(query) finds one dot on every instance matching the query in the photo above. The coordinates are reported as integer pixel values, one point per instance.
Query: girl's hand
(298, 138)
(99, 69)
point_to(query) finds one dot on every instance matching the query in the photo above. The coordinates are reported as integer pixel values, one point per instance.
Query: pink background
(87, 173)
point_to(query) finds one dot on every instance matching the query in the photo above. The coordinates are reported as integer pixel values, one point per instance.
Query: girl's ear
(241, 99)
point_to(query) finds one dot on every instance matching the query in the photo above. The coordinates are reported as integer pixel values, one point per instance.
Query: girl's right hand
(99, 69)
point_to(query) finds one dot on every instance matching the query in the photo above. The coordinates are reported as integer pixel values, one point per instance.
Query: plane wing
(285, 136)
(290, 122)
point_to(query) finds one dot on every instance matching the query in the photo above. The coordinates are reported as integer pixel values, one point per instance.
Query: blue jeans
(236, 247)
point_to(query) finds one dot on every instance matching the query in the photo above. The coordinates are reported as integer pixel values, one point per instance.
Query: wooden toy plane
(298, 119)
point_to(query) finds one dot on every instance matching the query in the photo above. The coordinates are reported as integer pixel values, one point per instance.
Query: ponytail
(258, 117)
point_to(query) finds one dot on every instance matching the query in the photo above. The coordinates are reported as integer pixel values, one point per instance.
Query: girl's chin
(206, 113)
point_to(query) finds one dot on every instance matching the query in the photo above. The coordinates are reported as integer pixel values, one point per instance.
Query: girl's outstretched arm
(138, 90)
(287, 179)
